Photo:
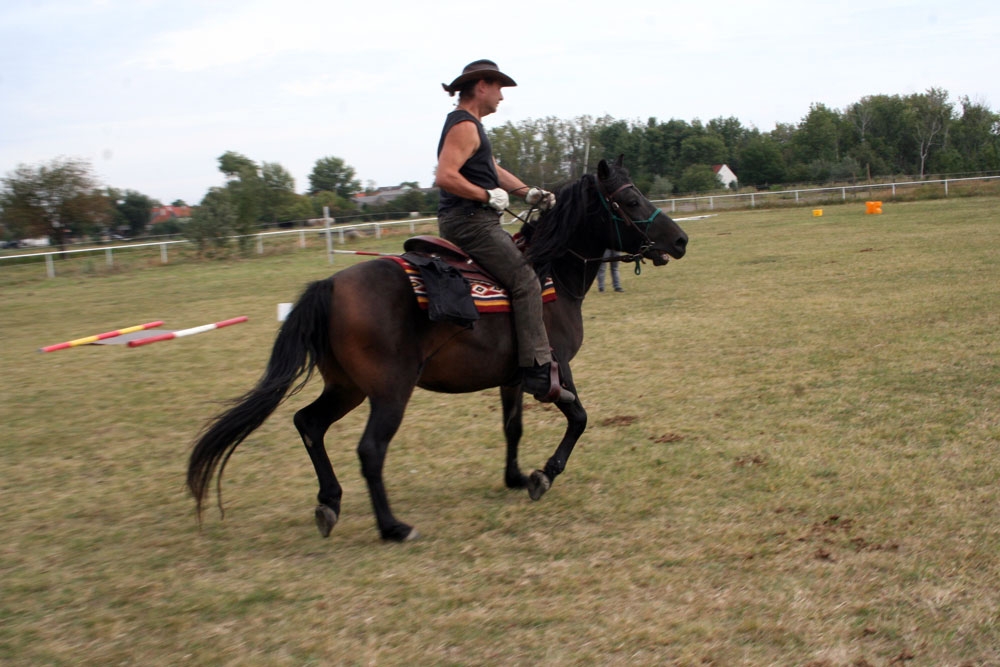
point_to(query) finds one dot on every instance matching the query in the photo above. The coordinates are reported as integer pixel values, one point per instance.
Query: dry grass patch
(792, 459)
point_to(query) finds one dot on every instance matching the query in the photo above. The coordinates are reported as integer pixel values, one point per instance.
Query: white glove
(541, 198)
(499, 199)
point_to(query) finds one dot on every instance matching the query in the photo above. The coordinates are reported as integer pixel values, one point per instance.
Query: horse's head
(640, 227)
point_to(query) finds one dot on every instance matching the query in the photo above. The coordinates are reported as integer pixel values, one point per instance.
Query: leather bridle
(618, 216)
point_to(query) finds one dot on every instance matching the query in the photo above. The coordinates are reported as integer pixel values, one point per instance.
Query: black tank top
(480, 169)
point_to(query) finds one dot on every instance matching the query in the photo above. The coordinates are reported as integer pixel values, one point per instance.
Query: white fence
(809, 195)
(339, 232)
(800, 196)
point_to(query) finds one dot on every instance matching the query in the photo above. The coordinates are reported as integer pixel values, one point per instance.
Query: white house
(725, 175)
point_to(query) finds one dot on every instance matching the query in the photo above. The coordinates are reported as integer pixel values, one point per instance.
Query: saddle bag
(447, 289)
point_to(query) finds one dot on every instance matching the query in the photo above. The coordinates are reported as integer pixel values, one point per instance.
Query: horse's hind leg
(512, 401)
(312, 423)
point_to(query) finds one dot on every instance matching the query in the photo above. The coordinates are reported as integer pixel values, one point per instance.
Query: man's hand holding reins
(543, 199)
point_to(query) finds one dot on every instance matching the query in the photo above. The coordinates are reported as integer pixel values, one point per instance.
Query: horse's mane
(548, 236)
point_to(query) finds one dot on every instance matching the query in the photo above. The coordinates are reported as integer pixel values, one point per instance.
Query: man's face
(492, 95)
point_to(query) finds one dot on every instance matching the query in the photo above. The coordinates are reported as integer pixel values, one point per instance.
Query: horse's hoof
(400, 533)
(516, 481)
(538, 484)
(326, 519)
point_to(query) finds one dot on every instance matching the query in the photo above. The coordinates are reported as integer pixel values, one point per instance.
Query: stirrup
(556, 393)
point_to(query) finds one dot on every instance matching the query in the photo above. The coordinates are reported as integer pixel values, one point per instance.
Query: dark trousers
(478, 232)
(616, 278)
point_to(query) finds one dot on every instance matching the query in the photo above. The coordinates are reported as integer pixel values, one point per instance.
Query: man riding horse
(474, 194)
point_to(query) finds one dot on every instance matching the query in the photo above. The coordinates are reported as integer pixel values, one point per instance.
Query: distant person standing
(616, 280)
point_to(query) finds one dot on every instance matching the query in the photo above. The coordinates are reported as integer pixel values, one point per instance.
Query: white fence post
(50, 267)
(329, 239)
(163, 253)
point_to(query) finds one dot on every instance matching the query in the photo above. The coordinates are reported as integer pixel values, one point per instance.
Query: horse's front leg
(383, 421)
(576, 422)
(512, 400)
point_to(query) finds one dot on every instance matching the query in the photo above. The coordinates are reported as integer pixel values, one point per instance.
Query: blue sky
(151, 92)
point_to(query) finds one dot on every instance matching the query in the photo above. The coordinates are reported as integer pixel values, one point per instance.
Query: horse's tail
(302, 344)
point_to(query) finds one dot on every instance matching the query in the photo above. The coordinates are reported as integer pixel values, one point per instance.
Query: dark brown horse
(364, 331)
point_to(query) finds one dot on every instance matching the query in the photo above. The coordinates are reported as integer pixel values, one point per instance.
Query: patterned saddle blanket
(485, 292)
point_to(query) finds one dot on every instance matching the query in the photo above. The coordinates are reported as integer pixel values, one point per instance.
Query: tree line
(879, 136)
(62, 201)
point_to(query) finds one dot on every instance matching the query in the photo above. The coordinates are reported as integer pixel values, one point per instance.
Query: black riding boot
(538, 382)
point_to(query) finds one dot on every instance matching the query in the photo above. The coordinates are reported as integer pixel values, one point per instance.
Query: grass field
(792, 459)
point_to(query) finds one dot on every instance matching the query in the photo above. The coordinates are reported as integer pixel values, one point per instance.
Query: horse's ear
(603, 170)
(620, 162)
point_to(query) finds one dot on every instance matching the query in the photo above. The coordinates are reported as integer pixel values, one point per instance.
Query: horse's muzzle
(661, 256)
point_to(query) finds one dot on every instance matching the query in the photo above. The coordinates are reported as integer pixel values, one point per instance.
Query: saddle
(450, 254)
(450, 285)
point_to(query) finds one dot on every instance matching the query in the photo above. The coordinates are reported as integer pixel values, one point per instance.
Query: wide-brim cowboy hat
(480, 69)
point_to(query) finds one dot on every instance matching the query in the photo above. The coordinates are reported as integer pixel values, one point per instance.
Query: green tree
(132, 209)
(703, 149)
(58, 200)
(733, 135)
(620, 138)
(662, 187)
(234, 164)
(332, 174)
(889, 136)
(698, 178)
(212, 223)
(859, 118)
(246, 192)
(659, 150)
(535, 150)
(930, 115)
(975, 135)
(817, 136)
(278, 196)
(762, 162)
(334, 203)
(297, 208)
(581, 144)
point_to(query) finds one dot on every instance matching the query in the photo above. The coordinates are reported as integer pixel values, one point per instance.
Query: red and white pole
(94, 339)
(187, 332)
